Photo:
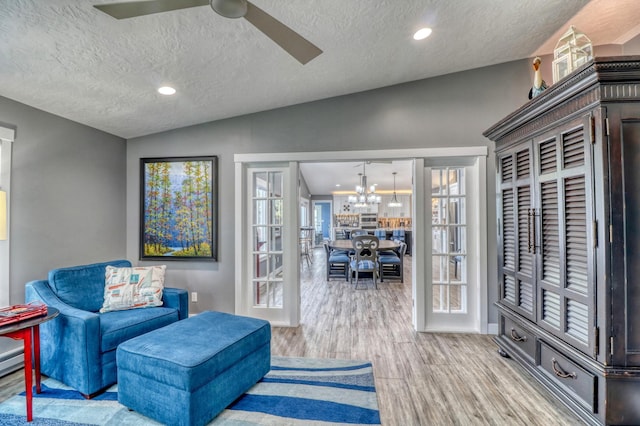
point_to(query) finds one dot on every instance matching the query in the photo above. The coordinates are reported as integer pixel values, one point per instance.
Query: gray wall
(67, 194)
(447, 111)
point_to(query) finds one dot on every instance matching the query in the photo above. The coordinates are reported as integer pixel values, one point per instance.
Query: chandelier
(394, 201)
(364, 195)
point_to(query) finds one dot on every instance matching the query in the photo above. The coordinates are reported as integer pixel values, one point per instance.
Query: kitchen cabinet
(404, 211)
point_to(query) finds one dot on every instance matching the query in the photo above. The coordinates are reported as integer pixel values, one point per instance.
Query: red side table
(29, 331)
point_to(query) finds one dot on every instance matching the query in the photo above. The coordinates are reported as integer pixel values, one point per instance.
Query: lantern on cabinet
(572, 50)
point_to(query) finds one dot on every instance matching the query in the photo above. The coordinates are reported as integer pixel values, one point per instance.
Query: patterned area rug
(297, 391)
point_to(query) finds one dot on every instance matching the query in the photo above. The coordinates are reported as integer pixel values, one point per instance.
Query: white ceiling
(67, 58)
(322, 178)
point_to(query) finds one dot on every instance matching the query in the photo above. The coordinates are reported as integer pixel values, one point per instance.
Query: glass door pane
(267, 204)
(448, 241)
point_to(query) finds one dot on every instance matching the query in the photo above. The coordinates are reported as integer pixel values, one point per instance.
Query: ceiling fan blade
(140, 8)
(292, 42)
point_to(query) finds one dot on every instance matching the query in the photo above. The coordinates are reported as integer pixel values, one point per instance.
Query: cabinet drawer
(519, 337)
(576, 380)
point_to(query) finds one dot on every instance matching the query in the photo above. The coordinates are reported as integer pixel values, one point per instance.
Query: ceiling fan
(292, 42)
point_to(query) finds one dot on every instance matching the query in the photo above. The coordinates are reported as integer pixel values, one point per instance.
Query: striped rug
(297, 391)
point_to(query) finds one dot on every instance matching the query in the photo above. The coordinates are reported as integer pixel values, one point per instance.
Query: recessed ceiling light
(422, 33)
(337, 184)
(166, 90)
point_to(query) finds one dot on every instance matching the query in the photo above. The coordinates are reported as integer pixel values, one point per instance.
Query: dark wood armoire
(568, 222)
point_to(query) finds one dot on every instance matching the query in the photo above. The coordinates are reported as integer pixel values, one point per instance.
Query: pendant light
(394, 201)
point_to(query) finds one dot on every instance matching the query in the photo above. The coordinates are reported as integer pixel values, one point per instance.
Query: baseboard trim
(492, 328)
(11, 356)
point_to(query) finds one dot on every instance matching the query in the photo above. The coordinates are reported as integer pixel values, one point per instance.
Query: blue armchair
(78, 347)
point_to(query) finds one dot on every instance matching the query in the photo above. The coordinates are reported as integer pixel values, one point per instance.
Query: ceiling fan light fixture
(229, 8)
(422, 33)
(289, 40)
(166, 90)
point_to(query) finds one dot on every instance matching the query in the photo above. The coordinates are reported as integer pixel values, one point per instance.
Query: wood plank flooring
(421, 378)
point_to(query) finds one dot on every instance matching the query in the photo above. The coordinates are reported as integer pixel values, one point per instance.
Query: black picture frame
(179, 208)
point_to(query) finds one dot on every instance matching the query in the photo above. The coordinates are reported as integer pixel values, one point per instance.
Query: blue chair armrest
(62, 356)
(176, 298)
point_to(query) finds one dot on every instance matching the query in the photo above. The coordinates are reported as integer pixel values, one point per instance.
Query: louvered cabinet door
(515, 252)
(564, 240)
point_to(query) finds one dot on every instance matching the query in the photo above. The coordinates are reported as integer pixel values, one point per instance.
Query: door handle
(534, 236)
(529, 230)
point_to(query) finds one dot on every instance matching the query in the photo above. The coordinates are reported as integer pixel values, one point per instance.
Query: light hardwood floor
(421, 378)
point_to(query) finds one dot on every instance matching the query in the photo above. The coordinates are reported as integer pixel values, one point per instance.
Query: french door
(269, 277)
(452, 288)
(255, 276)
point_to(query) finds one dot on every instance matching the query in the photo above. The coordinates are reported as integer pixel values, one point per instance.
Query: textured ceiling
(67, 58)
(603, 21)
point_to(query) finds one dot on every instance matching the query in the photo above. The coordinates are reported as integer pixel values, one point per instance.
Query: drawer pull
(560, 372)
(516, 338)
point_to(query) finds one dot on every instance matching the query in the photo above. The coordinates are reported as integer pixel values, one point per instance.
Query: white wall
(452, 110)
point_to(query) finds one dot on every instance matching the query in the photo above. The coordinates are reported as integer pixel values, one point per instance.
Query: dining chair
(391, 265)
(365, 258)
(398, 235)
(337, 263)
(340, 234)
(380, 233)
(357, 232)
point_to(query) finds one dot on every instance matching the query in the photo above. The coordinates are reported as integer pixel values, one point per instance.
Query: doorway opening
(291, 163)
(322, 221)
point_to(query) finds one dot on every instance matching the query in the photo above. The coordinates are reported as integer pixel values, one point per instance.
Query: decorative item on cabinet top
(572, 50)
(539, 85)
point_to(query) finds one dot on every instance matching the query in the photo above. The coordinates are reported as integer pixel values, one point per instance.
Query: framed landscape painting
(179, 208)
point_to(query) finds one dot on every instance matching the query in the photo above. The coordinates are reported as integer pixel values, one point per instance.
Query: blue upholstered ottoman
(187, 372)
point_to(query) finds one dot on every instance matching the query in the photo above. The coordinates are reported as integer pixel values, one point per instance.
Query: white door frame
(419, 236)
(242, 161)
(289, 315)
(7, 136)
